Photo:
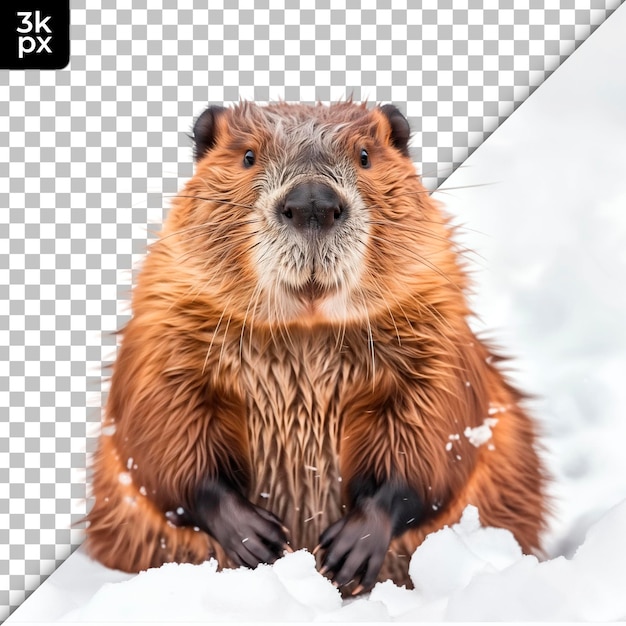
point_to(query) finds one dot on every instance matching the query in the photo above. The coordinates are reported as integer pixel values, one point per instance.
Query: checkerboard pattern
(89, 156)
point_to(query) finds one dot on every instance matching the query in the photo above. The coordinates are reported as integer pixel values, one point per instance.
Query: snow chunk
(290, 590)
(494, 409)
(109, 430)
(451, 440)
(297, 573)
(397, 600)
(124, 478)
(449, 558)
(480, 435)
(589, 587)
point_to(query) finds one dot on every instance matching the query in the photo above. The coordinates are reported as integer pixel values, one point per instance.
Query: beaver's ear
(400, 129)
(205, 131)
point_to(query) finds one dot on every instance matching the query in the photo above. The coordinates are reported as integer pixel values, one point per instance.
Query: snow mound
(291, 589)
(464, 572)
(469, 573)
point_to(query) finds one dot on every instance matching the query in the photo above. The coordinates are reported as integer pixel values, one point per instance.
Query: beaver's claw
(354, 548)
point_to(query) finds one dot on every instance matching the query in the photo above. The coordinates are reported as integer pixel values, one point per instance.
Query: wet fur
(230, 378)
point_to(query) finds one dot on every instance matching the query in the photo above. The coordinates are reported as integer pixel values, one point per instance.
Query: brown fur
(213, 367)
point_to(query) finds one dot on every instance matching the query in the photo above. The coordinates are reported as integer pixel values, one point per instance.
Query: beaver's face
(298, 212)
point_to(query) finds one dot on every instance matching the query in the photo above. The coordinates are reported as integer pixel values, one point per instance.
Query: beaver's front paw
(355, 547)
(249, 534)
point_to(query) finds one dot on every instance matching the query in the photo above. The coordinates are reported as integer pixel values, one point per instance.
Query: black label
(34, 35)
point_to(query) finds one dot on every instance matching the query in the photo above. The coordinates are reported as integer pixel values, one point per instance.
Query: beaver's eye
(248, 159)
(365, 158)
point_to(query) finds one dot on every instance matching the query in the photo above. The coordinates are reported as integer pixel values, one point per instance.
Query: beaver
(299, 371)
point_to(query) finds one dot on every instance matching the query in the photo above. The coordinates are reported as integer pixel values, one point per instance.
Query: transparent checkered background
(89, 156)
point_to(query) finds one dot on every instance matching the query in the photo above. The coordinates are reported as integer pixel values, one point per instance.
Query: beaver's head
(303, 214)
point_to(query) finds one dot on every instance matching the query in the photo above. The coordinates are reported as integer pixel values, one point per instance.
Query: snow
(109, 430)
(548, 224)
(461, 573)
(124, 478)
(291, 590)
(479, 435)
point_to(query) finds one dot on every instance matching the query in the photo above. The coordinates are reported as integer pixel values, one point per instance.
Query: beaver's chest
(294, 428)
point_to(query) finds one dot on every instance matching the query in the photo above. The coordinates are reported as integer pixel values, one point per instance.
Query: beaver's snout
(311, 206)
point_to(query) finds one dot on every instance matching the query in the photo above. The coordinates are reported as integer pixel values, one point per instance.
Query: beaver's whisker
(436, 171)
(211, 199)
(341, 333)
(432, 250)
(276, 310)
(162, 238)
(270, 317)
(451, 241)
(219, 362)
(198, 251)
(204, 226)
(410, 229)
(370, 336)
(219, 322)
(418, 301)
(393, 319)
(429, 192)
(258, 290)
(245, 318)
(451, 227)
(218, 271)
(227, 257)
(420, 258)
(445, 241)
(456, 188)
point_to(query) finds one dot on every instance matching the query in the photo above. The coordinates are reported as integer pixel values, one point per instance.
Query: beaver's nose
(311, 205)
